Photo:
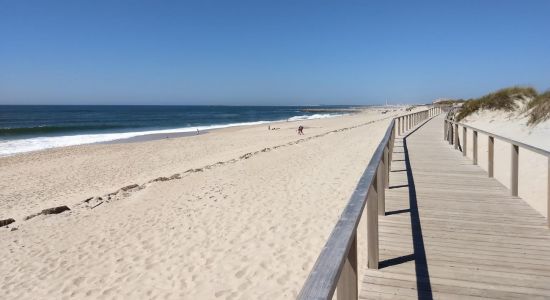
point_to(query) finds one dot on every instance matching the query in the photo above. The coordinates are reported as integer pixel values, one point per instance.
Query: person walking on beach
(301, 130)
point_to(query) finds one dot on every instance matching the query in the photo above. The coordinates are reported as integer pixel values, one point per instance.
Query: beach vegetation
(450, 102)
(504, 99)
(539, 108)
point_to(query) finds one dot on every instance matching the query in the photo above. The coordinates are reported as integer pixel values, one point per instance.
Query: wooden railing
(451, 134)
(337, 267)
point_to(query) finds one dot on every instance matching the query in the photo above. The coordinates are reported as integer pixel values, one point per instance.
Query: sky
(269, 52)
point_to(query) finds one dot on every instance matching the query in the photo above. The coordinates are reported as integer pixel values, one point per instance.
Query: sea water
(34, 127)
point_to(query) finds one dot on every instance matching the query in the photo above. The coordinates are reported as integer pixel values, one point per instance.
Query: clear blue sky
(268, 52)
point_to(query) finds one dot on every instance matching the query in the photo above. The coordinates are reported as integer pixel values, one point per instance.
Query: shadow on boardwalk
(423, 285)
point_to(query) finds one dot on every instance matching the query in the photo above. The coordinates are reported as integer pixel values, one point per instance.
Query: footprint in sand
(240, 273)
(221, 293)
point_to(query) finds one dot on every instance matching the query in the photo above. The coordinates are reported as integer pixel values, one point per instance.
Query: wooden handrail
(505, 139)
(336, 267)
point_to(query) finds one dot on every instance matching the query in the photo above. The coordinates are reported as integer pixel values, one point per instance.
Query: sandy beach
(237, 213)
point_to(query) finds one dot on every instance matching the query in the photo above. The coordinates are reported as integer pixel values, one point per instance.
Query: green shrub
(539, 108)
(468, 108)
(450, 102)
(504, 99)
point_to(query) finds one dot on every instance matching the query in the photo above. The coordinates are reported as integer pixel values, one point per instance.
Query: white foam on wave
(11, 147)
(313, 117)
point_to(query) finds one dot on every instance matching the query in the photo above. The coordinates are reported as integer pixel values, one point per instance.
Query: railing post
(392, 141)
(548, 193)
(380, 185)
(444, 130)
(372, 227)
(456, 135)
(491, 156)
(399, 125)
(348, 287)
(515, 167)
(386, 164)
(451, 136)
(464, 141)
(475, 147)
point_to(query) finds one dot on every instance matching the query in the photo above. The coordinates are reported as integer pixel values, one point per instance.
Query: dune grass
(504, 99)
(450, 102)
(539, 108)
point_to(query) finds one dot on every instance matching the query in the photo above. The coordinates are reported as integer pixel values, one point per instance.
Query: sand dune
(246, 221)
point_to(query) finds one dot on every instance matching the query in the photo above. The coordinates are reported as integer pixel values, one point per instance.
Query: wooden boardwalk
(450, 232)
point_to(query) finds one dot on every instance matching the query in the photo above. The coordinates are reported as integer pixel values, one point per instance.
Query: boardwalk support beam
(372, 228)
(348, 287)
(464, 141)
(475, 147)
(514, 168)
(491, 156)
(380, 186)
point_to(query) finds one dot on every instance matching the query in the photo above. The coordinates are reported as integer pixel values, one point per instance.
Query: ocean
(35, 127)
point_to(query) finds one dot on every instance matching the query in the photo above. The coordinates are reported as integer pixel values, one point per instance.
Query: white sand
(247, 228)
